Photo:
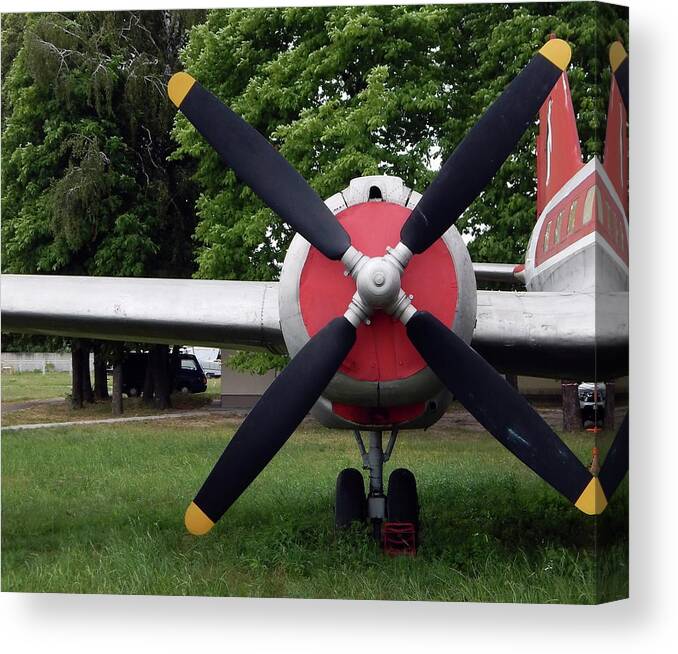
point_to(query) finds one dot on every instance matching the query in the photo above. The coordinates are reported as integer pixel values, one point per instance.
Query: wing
(566, 335)
(507, 273)
(228, 314)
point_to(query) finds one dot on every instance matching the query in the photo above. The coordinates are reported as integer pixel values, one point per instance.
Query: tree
(350, 91)
(87, 187)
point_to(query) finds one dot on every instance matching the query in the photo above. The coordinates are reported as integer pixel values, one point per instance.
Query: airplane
(377, 303)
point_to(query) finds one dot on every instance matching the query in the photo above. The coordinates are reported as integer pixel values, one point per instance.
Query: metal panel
(229, 314)
(563, 335)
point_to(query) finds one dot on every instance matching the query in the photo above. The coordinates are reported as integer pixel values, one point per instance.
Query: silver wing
(559, 335)
(564, 335)
(229, 314)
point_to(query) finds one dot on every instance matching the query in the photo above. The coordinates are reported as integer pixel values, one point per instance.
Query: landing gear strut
(394, 519)
(373, 460)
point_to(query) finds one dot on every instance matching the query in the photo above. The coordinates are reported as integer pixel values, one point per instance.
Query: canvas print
(317, 302)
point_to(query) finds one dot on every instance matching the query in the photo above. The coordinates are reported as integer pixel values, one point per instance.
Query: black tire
(133, 392)
(350, 505)
(402, 501)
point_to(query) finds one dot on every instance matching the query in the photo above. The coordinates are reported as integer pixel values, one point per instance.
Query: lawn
(22, 386)
(99, 509)
(27, 386)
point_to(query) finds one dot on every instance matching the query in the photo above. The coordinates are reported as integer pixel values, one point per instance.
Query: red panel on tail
(558, 150)
(616, 156)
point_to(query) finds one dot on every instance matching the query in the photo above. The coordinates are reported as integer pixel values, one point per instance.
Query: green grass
(26, 386)
(22, 386)
(99, 510)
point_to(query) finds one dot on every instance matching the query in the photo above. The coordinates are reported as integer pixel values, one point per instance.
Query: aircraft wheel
(402, 501)
(351, 505)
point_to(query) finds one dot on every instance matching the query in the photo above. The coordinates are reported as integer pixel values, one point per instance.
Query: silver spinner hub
(378, 284)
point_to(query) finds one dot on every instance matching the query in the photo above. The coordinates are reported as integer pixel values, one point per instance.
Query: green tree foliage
(349, 91)
(86, 185)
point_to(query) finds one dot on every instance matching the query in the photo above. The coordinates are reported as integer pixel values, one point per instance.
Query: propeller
(494, 403)
(616, 463)
(257, 163)
(619, 62)
(484, 149)
(270, 423)
(498, 407)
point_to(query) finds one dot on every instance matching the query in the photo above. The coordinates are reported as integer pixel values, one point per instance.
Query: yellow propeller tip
(179, 86)
(196, 521)
(592, 501)
(617, 55)
(558, 52)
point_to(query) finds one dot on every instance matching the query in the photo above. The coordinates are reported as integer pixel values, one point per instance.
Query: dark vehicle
(189, 376)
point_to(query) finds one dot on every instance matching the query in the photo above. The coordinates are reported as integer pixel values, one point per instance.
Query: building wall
(240, 390)
(39, 361)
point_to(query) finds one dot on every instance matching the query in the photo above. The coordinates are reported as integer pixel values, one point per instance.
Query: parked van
(189, 376)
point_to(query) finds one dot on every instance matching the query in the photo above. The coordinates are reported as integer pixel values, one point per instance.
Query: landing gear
(402, 502)
(351, 505)
(390, 516)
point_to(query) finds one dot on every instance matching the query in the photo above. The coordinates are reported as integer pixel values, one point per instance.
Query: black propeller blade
(484, 149)
(499, 408)
(616, 463)
(270, 423)
(257, 163)
(619, 62)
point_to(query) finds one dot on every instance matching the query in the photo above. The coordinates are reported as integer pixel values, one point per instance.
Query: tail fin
(558, 150)
(616, 155)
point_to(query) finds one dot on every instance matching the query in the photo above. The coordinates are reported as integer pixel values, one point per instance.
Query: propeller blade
(484, 149)
(499, 408)
(619, 62)
(616, 463)
(270, 423)
(257, 163)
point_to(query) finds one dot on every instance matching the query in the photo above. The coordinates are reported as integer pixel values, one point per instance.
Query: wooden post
(571, 412)
(608, 422)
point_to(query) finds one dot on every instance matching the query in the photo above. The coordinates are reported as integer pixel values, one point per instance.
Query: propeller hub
(378, 283)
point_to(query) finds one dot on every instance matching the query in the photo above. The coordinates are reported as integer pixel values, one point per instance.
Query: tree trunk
(76, 374)
(116, 400)
(149, 379)
(100, 376)
(86, 380)
(572, 420)
(609, 405)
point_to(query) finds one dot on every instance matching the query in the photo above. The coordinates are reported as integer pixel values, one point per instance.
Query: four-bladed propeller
(486, 395)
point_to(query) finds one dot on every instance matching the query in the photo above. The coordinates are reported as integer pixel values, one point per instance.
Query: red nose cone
(382, 351)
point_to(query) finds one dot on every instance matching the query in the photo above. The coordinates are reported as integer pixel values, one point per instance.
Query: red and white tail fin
(616, 154)
(558, 150)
